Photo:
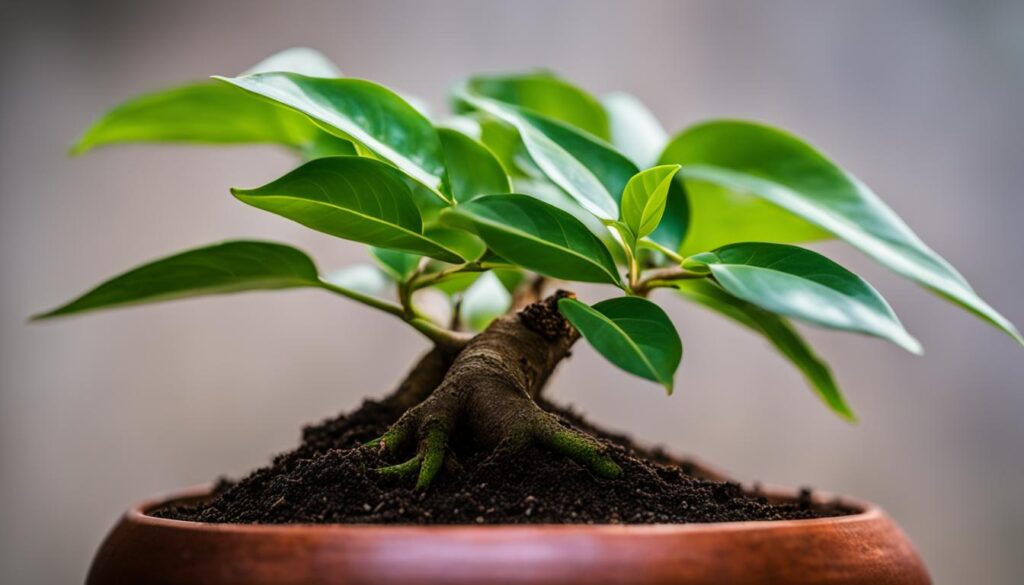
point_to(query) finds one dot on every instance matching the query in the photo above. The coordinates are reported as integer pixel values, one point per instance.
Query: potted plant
(466, 473)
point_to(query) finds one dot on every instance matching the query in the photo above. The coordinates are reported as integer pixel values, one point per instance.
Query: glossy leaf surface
(632, 333)
(799, 283)
(644, 199)
(354, 198)
(211, 112)
(369, 114)
(779, 332)
(755, 169)
(472, 167)
(548, 95)
(536, 236)
(219, 269)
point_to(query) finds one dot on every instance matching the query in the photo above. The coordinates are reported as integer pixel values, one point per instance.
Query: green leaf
(779, 332)
(635, 131)
(354, 198)
(755, 168)
(484, 301)
(211, 112)
(644, 199)
(632, 333)
(301, 60)
(593, 173)
(536, 236)
(472, 168)
(805, 285)
(366, 113)
(398, 265)
(222, 268)
(548, 95)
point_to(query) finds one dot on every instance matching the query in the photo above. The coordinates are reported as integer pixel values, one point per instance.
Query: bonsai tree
(531, 180)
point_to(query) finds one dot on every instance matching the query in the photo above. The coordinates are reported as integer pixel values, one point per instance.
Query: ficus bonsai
(531, 180)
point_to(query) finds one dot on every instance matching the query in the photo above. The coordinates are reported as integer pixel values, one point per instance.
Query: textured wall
(921, 99)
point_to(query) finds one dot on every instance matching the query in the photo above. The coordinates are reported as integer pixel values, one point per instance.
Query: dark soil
(328, 479)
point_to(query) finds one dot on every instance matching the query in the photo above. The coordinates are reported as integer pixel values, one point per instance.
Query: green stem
(425, 280)
(439, 335)
(651, 244)
(380, 304)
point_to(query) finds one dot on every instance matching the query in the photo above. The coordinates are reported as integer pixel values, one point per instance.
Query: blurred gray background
(923, 100)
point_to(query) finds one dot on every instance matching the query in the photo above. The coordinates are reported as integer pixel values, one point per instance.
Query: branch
(663, 278)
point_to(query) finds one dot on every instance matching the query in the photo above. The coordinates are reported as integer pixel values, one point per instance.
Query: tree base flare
(329, 478)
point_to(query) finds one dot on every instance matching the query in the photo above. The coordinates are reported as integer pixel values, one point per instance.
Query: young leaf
(548, 95)
(536, 236)
(472, 168)
(805, 285)
(643, 200)
(211, 112)
(366, 113)
(742, 159)
(635, 131)
(353, 198)
(484, 301)
(779, 332)
(222, 268)
(632, 333)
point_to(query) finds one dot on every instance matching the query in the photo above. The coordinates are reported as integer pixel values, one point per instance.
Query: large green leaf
(632, 333)
(222, 268)
(472, 168)
(371, 115)
(548, 95)
(354, 198)
(536, 236)
(211, 112)
(636, 133)
(779, 332)
(805, 285)
(644, 199)
(755, 169)
(593, 173)
(589, 170)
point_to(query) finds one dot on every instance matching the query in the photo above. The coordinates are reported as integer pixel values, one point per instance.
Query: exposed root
(489, 392)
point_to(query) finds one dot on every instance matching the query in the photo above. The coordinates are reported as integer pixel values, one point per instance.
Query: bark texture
(489, 391)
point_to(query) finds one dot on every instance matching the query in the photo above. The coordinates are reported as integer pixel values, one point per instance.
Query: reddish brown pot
(865, 548)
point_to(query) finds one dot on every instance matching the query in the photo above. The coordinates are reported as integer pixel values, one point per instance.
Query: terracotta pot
(865, 548)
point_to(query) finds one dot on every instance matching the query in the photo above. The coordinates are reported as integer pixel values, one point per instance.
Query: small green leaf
(211, 112)
(635, 131)
(219, 269)
(779, 332)
(805, 285)
(632, 333)
(354, 198)
(398, 265)
(472, 168)
(643, 201)
(753, 182)
(369, 114)
(536, 236)
(547, 95)
(484, 301)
